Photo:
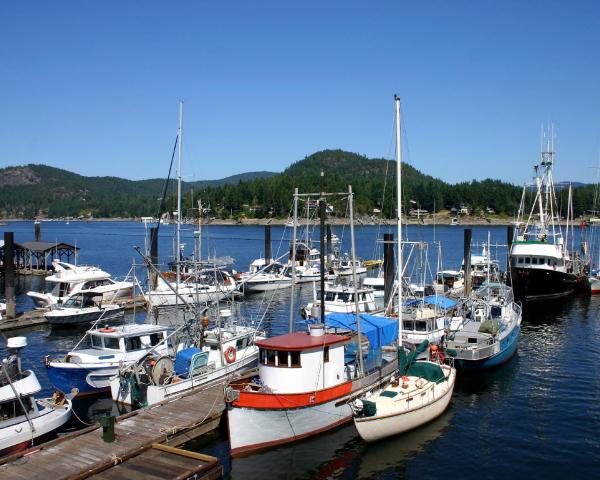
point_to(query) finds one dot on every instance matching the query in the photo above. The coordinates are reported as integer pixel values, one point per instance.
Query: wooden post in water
(267, 244)
(153, 255)
(9, 275)
(509, 239)
(389, 264)
(38, 233)
(467, 261)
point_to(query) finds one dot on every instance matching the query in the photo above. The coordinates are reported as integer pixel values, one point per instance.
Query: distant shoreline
(360, 221)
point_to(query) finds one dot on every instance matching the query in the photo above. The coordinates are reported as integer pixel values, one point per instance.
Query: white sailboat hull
(408, 412)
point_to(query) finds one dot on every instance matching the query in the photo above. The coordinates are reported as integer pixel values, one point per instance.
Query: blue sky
(93, 87)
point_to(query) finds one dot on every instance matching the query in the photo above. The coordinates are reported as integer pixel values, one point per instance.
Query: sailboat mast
(399, 210)
(178, 235)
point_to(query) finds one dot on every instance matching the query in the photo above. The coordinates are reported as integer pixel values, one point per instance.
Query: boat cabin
(121, 340)
(302, 362)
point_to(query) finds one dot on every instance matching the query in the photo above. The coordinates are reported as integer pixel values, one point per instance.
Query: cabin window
(329, 296)
(295, 359)
(471, 340)
(12, 408)
(282, 358)
(409, 325)
(96, 341)
(241, 343)
(112, 343)
(155, 339)
(527, 260)
(344, 297)
(133, 343)
(326, 354)
(270, 357)
(534, 260)
(520, 259)
(542, 260)
(421, 326)
(496, 312)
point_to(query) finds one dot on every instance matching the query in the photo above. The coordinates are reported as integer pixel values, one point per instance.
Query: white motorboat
(205, 286)
(23, 419)
(344, 267)
(69, 279)
(82, 308)
(341, 299)
(223, 350)
(98, 356)
(263, 278)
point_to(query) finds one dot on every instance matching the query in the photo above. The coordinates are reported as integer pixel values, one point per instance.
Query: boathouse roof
(43, 247)
(301, 341)
(15, 245)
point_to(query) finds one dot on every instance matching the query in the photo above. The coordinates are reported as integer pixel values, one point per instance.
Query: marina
(317, 241)
(539, 329)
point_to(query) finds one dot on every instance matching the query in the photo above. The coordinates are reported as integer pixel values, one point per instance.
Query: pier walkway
(82, 454)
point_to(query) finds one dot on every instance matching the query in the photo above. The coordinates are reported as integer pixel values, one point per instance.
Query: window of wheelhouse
(282, 358)
(13, 408)
(96, 341)
(267, 357)
(295, 359)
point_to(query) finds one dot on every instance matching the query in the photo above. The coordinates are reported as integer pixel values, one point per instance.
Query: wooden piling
(9, 275)
(267, 244)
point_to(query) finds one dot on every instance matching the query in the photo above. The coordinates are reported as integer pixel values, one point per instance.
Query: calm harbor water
(537, 416)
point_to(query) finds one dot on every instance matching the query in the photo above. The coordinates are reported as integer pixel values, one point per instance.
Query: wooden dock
(33, 318)
(84, 454)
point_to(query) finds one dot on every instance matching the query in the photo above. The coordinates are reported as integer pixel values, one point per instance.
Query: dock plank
(80, 455)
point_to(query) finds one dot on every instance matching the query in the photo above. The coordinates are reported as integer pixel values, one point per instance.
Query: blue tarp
(379, 330)
(433, 300)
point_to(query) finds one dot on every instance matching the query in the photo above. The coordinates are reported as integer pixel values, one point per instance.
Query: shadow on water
(338, 454)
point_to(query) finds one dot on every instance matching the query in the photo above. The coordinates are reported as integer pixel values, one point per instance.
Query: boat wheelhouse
(98, 356)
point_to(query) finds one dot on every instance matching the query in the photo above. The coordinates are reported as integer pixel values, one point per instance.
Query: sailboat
(198, 282)
(422, 390)
(306, 379)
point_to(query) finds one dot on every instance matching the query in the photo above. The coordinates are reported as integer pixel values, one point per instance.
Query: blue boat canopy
(379, 330)
(434, 300)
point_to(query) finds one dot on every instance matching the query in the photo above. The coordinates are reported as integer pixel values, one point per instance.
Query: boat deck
(84, 453)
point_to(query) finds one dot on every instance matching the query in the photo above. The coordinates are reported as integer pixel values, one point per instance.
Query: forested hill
(32, 190)
(374, 185)
(37, 189)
